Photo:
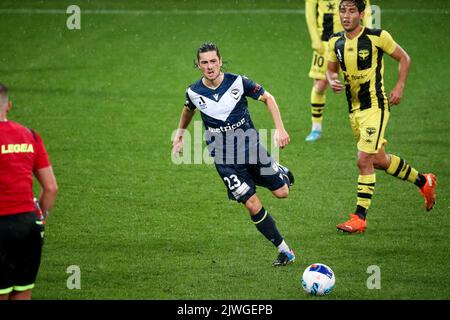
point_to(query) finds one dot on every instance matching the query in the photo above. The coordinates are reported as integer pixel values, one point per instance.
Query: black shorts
(241, 179)
(21, 241)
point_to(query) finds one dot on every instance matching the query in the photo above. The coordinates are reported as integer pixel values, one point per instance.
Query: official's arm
(47, 180)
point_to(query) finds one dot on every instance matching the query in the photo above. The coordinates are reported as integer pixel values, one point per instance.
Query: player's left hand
(396, 95)
(281, 138)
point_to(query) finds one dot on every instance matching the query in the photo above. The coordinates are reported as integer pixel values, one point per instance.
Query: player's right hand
(336, 86)
(41, 215)
(281, 138)
(177, 147)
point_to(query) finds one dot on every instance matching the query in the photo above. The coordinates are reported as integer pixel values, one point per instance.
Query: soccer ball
(318, 279)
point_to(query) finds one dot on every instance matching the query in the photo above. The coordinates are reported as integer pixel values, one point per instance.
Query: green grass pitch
(106, 99)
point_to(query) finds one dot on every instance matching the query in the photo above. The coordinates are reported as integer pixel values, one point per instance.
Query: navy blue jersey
(225, 115)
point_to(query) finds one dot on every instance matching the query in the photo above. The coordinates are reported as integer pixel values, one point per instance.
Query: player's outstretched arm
(333, 77)
(281, 135)
(404, 63)
(185, 119)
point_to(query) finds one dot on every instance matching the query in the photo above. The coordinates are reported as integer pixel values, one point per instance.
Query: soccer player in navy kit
(22, 154)
(233, 141)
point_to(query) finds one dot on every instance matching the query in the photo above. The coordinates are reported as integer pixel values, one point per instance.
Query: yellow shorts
(368, 128)
(319, 64)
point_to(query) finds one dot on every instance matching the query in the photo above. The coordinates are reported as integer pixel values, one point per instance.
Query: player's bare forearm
(272, 106)
(185, 119)
(333, 77)
(281, 136)
(404, 63)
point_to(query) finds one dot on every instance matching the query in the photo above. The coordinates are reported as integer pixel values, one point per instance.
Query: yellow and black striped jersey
(361, 62)
(322, 17)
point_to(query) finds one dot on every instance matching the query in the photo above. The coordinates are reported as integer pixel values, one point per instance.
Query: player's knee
(361, 164)
(320, 86)
(253, 204)
(282, 192)
(364, 162)
(381, 161)
(381, 164)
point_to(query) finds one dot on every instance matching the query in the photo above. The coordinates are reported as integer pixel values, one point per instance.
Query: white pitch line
(203, 12)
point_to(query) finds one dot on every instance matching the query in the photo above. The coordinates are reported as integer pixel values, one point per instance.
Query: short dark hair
(3, 92)
(206, 47)
(360, 4)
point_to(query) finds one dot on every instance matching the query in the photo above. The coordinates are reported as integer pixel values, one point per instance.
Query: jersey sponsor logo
(234, 126)
(358, 76)
(201, 103)
(363, 54)
(346, 78)
(17, 148)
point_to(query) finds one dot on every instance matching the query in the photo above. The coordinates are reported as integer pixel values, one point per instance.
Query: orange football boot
(355, 224)
(428, 191)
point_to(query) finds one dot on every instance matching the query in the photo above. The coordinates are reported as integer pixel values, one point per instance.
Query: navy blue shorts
(241, 179)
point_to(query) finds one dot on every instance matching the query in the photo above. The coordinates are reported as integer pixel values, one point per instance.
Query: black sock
(361, 212)
(266, 225)
(420, 180)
